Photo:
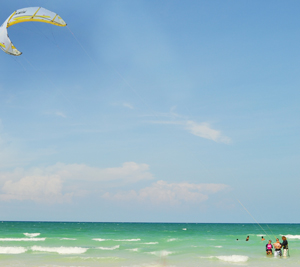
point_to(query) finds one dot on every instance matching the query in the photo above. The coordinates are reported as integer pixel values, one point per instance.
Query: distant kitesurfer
(269, 248)
(277, 247)
(262, 238)
(284, 245)
(247, 239)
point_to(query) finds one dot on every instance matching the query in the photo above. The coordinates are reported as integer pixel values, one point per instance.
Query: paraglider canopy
(26, 15)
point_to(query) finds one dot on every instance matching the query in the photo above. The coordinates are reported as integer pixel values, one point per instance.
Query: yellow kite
(24, 15)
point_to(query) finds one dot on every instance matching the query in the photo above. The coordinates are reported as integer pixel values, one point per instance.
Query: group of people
(277, 246)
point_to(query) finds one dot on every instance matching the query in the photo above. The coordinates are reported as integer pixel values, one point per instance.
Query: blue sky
(152, 111)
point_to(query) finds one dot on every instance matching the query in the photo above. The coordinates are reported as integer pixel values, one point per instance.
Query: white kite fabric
(26, 15)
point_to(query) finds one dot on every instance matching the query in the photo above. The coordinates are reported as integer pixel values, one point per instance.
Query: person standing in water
(262, 238)
(247, 239)
(284, 245)
(277, 247)
(269, 248)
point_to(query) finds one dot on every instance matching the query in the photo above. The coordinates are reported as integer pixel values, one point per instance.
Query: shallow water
(142, 244)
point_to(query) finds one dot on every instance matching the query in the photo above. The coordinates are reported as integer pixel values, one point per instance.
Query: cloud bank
(162, 192)
(62, 182)
(47, 184)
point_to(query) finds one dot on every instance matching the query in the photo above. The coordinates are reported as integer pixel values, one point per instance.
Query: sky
(152, 111)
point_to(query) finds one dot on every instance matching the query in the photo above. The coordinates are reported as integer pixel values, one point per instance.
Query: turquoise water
(142, 244)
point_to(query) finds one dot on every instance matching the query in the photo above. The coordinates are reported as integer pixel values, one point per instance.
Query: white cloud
(61, 182)
(36, 188)
(60, 114)
(127, 105)
(205, 131)
(162, 192)
(202, 130)
(128, 172)
(46, 184)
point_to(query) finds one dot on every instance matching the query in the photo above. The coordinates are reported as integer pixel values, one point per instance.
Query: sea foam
(162, 253)
(31, 234)
(12, 250)
(100, 239)
(127, 240)
(23, 239)
(133, 249)
(109, 248)
(60, 250)
(233, 258)
(292, 236)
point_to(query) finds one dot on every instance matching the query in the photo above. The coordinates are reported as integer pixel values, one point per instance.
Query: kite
(27, 14)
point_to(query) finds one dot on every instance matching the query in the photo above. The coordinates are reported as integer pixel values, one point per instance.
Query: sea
(83, 244)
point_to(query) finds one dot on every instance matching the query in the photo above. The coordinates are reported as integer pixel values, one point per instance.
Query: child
(269, 248)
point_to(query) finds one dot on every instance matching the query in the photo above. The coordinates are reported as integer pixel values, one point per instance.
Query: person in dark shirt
(284, 245)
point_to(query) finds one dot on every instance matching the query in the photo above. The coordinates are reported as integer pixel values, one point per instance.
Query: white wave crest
(23, 239)
(12, 250)
(133, 249)
(109, 248)
(60, 250)
(233, 258)
(31, 234)
(172, 239)
(218, 246)
(184, 229)
(96, 258)
(100, 239)
(65, 238)
(162, 253)
(151, 243)
(293, 236)
(127, 240)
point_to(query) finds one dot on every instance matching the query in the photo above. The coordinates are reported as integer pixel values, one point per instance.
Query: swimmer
(262, 238)
(247, 239)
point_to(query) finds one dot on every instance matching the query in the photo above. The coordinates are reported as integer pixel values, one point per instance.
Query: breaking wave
(293, 236)
(109, 248)
(31, 234)
(12, 250)
(23, 239)
(162, 253)
(233, 258)
(172, 239)
(127, 240)
(133, 249)
(60, 250)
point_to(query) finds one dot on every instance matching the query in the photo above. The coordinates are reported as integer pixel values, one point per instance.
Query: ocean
(82, 244)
